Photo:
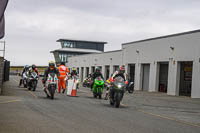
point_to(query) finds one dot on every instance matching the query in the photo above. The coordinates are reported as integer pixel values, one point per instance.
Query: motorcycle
(107, 86)
(117, 91)
(98, 87)
(25, 79)
(52, 82)
(32, 81)
(130, 87)
(87, 82)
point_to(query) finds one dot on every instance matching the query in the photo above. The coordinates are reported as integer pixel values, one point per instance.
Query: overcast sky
(33, 26)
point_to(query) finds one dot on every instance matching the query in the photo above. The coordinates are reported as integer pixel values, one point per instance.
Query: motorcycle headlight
(119, 86)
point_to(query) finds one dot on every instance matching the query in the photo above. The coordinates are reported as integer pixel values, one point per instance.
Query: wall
(111, 59)
(171, 49)
(185, 48)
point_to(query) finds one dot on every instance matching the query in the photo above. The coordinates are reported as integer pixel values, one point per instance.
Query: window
(64, 57)
(68, 44)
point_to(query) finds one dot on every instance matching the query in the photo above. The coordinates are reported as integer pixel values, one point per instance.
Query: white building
(168, 64)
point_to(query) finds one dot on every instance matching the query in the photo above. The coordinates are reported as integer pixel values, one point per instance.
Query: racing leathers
(46, 73)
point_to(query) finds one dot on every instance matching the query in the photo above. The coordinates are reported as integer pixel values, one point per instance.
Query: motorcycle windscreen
(119, 82)
(99, 78)
(34, 74)
(52, 76)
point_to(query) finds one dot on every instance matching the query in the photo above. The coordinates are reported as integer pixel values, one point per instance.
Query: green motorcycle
(98, 87)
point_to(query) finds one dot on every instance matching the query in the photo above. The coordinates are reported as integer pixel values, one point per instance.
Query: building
(168, 64)
(71, 48)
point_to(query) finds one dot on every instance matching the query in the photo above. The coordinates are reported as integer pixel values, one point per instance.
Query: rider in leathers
(50, 69)
(121, 73)
(26, 68)
(96, 74)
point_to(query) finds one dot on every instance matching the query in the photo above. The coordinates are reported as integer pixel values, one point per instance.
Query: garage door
(146, 70)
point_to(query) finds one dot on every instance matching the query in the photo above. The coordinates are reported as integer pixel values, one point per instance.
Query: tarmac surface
(23, 111)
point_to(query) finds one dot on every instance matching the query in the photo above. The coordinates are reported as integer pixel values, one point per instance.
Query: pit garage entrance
(145, 76)
(115, 68)
(93, 69)
(82, 72)
(87, 71)
(185, 78)
(163, 76)
(131, 72)
(107, 72)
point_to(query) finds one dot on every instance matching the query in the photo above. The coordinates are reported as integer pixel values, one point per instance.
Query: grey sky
(33, 26)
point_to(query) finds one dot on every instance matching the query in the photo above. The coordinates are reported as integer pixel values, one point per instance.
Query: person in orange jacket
(63, 70)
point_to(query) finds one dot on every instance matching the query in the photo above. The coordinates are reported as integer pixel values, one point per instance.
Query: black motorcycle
(130, 87)
(51, 86)
(117, 91)
(32, 81)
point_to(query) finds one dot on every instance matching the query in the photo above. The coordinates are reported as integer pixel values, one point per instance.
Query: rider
(74, 73)
(26, 68)
(63, 70)
(120, 72)
(33, 69)
(96, 74)
(50, 69)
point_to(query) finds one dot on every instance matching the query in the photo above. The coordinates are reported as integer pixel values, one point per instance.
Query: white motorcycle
(51, 86)
(25, 79)
(32, 81)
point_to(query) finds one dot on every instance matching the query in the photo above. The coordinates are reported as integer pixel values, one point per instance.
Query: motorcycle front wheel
(117, 98)
(34, 84)
(100, 94)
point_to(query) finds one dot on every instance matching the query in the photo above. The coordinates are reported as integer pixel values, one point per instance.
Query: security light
(172, 48)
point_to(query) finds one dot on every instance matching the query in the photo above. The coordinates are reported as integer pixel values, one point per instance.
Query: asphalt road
(23, 111)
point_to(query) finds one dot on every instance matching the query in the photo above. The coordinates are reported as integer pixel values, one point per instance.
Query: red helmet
(121, 69)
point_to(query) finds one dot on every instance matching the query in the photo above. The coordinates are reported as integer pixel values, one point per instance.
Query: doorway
(145, 81)
(82, 72)
(131, 72)
(185, 78)
(107, 72)
(163, 76)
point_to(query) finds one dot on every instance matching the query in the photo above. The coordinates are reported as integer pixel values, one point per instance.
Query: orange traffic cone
(74, 93)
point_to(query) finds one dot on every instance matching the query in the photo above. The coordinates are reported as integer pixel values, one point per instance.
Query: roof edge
(59, 40)
(98, 53)
(166, 36)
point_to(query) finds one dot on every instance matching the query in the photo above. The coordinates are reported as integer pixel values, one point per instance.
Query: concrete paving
(23, 111)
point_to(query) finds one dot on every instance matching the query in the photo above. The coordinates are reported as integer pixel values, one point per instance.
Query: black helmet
(51, 65)
(33, 66)
(98, 69)
(26, 67)
(62, 63)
